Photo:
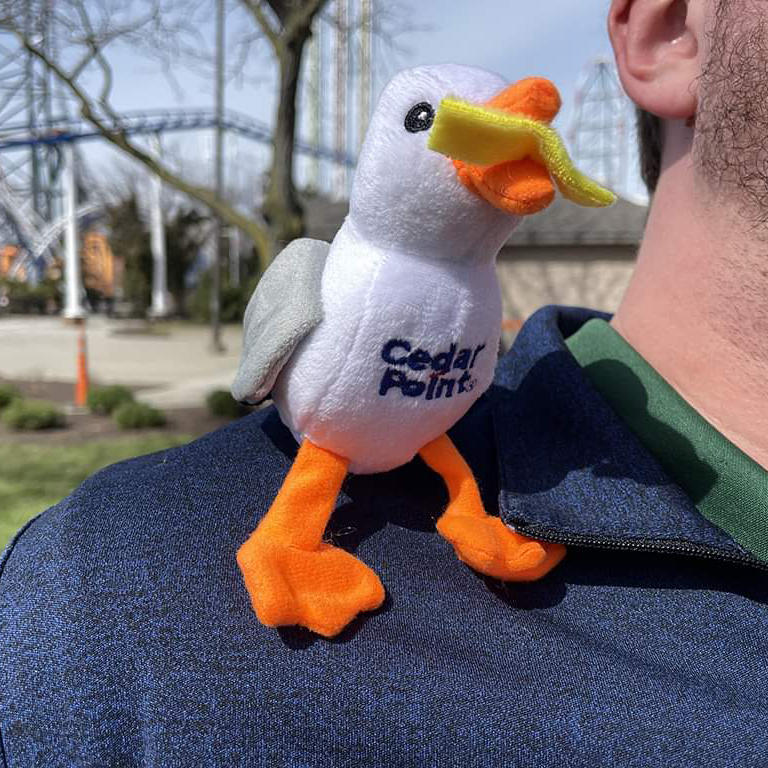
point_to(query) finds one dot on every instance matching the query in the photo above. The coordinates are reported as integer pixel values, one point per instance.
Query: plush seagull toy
(372, 347)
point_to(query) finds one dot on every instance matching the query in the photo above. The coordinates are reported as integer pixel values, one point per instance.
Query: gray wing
(284, 308)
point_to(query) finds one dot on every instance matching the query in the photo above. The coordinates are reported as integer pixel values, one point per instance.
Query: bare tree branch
(273, 35)
(223, 209)
(84, 62)
(302, 17)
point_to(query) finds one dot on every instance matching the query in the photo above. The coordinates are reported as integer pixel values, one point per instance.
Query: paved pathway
(174, 366)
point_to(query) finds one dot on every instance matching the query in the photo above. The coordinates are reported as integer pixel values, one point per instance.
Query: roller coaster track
(154, 122)
(37, 238)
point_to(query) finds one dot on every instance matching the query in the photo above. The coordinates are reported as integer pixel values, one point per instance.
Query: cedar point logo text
(402, 359)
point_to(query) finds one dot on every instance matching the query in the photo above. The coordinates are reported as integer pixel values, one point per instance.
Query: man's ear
(658, 46)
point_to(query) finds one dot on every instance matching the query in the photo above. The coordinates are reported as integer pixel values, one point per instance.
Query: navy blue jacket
(127, 638)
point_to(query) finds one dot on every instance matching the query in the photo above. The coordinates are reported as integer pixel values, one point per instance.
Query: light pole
(215, 303)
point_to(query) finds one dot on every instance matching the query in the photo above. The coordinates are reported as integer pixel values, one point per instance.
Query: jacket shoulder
(135, 507)
(142, 550)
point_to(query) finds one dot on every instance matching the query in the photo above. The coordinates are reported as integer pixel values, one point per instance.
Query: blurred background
(155, 155)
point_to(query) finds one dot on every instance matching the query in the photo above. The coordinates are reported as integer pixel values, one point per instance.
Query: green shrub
(33, 414)
(221, 403)
(233, 300)
(138, 416)
(25, 298)
(106, 400)
(8, 393)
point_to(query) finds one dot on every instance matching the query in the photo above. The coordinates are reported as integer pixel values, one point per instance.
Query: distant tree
(129, 240)
(185, 232)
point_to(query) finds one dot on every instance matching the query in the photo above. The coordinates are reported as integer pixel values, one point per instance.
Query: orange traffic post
(81, 385)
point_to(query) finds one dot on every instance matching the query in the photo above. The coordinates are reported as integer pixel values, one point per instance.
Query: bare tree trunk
(282, 209)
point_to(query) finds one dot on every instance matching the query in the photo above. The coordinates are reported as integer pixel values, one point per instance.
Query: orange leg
(480, 540)
(292, 575)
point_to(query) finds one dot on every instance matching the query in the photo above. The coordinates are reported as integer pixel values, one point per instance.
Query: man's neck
(697, 308)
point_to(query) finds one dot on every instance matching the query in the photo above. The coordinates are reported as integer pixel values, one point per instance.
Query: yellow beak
(487, 137)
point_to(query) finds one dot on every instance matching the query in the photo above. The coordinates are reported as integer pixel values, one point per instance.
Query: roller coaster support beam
(157, 241)
(73, 307)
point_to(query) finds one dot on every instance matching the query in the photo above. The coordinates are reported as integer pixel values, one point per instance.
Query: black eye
(419, 117)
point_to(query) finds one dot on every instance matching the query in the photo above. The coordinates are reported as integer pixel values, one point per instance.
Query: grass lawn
(35, 476)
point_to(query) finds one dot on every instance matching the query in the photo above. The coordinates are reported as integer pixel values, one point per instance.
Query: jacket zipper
(661, 546)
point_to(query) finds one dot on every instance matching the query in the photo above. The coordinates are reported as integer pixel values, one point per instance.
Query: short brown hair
(649, 143)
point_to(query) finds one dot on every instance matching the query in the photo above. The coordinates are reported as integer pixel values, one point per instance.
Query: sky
(558, 39)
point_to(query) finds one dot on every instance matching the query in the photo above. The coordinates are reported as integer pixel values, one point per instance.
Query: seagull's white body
(330, 390)
(411, 308)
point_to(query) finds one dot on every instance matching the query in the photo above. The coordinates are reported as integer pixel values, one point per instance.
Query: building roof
(562, 224)
(565, 223)
(322, 217)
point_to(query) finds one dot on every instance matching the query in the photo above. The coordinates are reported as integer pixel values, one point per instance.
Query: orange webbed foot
(322, 589)
(291, 574)
(492, 548)
(481, 541)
